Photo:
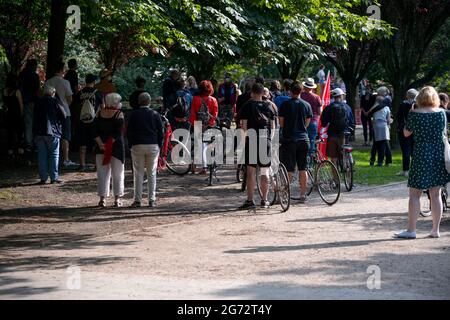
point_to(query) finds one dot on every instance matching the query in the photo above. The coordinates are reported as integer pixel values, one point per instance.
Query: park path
(311, 252)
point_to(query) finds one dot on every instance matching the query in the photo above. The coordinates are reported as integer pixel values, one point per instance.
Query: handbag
(446, 146)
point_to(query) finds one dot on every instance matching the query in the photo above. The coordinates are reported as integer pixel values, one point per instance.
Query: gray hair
(144, 99)
(383, 91)
(113, 100)
(49, 90)
(411, 94)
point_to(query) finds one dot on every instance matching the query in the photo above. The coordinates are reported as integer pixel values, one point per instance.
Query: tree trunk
(56, 35)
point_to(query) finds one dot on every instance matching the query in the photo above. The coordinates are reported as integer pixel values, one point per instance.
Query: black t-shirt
(295, 112)
(249, 110)
(72, 77)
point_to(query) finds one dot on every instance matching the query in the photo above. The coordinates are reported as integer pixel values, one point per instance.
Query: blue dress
(428, 162)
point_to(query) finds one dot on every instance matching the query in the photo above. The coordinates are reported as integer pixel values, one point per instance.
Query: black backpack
(339, 123)
(179, 109)
(261, 119)
(203, 114)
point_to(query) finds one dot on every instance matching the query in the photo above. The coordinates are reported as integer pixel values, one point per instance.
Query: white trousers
(114, 169)
(145, 158)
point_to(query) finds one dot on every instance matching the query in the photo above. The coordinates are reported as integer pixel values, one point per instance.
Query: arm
(407, 133)
(160, 131)
(20, 99)
(118, 128)
(97, 138)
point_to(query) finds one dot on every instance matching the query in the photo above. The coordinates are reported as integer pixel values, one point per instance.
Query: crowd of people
(47, 122)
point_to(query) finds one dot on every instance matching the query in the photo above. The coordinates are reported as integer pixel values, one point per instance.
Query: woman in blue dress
(426, 122)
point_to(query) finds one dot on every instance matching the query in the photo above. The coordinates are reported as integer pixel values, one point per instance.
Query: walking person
(367, 102)
(316, 106)
(257, 116)
(406, 143)
(145, 138)
(110, 150)
(13, 102)
(49, 117)
(295, 116)
(29, 84)
(427, 124)
(64, 94)
(91, 101)
(381, 117)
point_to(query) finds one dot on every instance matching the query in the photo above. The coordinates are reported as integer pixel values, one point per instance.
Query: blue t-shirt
(280, 99)
(295, 112)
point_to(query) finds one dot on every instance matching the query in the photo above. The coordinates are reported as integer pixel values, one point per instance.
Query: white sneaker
(68, 164)
(401, 173)
(405, 235)
(406, 174)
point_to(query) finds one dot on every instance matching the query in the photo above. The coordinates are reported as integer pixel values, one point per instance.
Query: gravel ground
(195, 245)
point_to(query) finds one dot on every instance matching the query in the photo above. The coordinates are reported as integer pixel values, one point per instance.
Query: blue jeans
(312, 134)
(48, 157)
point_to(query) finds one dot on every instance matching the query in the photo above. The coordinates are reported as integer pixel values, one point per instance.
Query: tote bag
(446, 146)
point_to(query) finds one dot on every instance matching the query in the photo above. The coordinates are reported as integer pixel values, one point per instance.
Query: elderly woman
(426, 122)
(109, 149)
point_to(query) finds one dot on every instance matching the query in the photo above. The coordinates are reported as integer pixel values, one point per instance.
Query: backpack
(203, 114)
(260, 118)
(180, 108)
(339, 121)
(87, 113)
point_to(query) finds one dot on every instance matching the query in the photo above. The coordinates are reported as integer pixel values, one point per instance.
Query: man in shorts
(295, 116)
(258, 121)
(339, 117)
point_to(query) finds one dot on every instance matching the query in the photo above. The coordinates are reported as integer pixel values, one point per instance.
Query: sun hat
(309, 83)
(337, 92)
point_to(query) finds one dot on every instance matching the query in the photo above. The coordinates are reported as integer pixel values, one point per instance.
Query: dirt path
(195, 245)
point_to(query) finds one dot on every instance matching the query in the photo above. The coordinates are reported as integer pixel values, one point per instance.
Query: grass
(367, 175)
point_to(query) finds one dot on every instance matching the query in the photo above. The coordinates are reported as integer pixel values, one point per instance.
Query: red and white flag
(326, 98)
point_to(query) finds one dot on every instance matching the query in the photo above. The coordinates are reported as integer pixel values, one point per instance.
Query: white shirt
(321, 75)
(63, 90)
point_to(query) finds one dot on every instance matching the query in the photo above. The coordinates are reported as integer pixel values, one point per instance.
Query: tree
(56, 35)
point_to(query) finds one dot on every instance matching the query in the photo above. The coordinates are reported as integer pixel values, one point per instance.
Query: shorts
(253, 155)
(67, 129)
(86, 134)
(294, 153)
(334, 146)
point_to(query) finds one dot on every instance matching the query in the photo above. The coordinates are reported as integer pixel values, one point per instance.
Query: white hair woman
(110, 150)
(427, 124)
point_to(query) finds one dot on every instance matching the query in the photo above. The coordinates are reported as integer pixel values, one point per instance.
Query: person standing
(316, 105)
(339, 118)
(259, 117)
(181, 103)
(227, 97)
(192, 85)
(381, 116)
(105, 86)
(427, 124)
(169, 88)
(90, 100)
(295, 116)
(275, 89)
(72, 75)
(49, 117)
(13, 102)
(110, 150)
(64, 94)
(134, 97)
(445, 101)
(285, 95)
(406, 143)
(145, 137)
(29, 84)
(204, 100)
(321, 78)
(367, 102)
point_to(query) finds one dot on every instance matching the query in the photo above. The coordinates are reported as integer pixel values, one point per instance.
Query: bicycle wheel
(283, 188)
(243, 171)
(425, 204)
(310, 183)
(178, 162)
(328, 182)
(348, 172)
(272, 194)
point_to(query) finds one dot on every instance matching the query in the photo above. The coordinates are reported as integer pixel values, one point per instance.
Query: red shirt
(315, 102)
(213, 108)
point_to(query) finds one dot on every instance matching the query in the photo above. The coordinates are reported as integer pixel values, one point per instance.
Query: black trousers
(367, 124)
(383, 150)
(406, 144)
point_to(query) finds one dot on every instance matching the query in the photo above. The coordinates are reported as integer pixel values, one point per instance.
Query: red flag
(326, 98)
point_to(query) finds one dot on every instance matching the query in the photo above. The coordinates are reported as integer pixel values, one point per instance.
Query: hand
(101, 146)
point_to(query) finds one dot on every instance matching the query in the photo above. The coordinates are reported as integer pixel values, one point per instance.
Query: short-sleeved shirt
(249, 110)
(280, 99)
(96, 98)
(315, 102)
(63, 91)
(295, 113)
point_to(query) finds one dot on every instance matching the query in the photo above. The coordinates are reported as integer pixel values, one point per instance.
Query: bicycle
(425, 204)
(346, 162)
(241, 176)
(212, 167)
(182, 164)
(279, 186)
(323, 176)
